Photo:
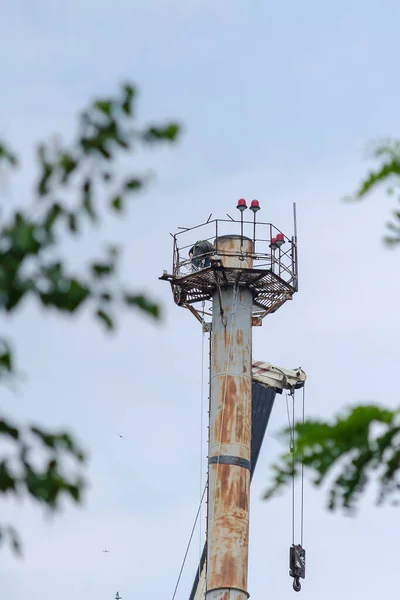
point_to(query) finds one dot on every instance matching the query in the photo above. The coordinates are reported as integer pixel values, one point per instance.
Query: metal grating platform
(269, 290)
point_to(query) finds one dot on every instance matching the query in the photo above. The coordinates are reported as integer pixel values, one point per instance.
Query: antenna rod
(241, 205)
(254, 207)
(295, 257)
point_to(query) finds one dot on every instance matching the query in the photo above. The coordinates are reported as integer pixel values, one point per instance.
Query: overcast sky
(278, 101)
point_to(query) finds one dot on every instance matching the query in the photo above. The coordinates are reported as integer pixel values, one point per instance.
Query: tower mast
(245, 279)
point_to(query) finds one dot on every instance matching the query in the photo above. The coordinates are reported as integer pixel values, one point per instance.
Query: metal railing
(282, 260)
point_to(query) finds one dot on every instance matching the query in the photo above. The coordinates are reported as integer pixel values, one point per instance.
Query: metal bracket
(207, 327)
(256, 321)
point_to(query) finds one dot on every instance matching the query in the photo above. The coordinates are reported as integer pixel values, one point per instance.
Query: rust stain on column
(229, 440)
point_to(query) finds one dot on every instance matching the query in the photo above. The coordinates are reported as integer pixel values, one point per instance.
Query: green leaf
(105, 318)
(389, 152)
(76, 294)
(133, 184)
(168, 133)
(67, 164)
(7, 480)
(87, 200)
(391, 241)
(9, 430)
(116, 203)
(7, 156)
(171, 132)
(53, 272)
(104, 106)
(129, 93)
(374, 177)
(24, 236)
(43, 186)
(69, 300)
(52, 215)
(94, 145)
(143, 303)
(100, 270)
(103, 150)
(6, 365)
(75, 492)
(15, 294)
(58, 442)
(72, 222)
(49, 440)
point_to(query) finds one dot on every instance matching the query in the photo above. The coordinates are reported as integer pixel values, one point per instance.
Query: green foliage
(388, 173)
(7, 157)
(46, 484)
(105, 129)
(6, 365)
(29, 240)
(350, 445)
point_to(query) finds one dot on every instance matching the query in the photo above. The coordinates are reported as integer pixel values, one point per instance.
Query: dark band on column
(219, 589)
(229, 460)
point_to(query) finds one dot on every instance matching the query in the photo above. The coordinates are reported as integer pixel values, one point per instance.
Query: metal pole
(295, 246)
(229, 439)
(241, 230)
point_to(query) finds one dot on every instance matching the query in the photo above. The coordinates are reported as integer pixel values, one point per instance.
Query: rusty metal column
(230, 433)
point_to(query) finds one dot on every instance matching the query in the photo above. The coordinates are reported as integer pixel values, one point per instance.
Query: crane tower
(237, 272)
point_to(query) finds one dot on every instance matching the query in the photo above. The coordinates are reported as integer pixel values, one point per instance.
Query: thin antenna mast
(295, 257)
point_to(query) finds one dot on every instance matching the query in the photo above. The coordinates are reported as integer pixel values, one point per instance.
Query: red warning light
(280, 239)
(273, 245)
(241, 205)
(255, 206)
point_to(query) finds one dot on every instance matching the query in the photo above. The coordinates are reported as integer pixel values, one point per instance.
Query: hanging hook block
(297, 562)
(296, 585)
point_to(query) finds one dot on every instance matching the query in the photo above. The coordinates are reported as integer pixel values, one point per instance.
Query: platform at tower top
(249, 254)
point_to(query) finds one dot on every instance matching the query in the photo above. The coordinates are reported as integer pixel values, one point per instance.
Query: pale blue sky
(278, 102)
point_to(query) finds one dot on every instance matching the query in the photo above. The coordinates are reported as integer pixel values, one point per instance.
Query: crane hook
(296, 584)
